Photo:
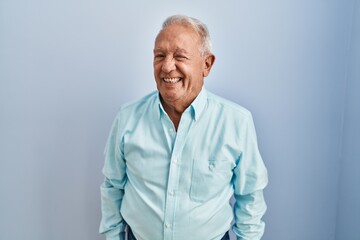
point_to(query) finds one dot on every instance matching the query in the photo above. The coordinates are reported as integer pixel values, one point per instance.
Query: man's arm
(112, 189)
(250, 178)
(249, 210)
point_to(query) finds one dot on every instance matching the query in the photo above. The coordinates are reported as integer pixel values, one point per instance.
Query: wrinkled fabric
(176, 185)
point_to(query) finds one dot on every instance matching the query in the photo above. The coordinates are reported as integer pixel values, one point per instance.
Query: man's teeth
(171, 80)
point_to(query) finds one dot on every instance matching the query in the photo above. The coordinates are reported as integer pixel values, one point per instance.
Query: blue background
(66, 66)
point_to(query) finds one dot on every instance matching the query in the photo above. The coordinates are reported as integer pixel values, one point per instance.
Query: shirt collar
(199, 104)
(196, 107)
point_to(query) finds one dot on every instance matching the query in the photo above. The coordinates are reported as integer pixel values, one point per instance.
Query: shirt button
(167, 225)
(171, 130)
(211, 166)
(174, 161)
(171, 193)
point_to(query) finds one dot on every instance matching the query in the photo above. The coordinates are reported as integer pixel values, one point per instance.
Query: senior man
(175, 158)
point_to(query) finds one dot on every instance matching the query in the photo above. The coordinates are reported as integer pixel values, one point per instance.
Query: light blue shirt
(177, 185)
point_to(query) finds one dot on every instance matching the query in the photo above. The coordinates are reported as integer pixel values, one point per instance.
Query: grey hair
(197, 25)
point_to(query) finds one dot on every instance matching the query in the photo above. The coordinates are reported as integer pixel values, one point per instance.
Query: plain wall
(349, 194)
(66, 66)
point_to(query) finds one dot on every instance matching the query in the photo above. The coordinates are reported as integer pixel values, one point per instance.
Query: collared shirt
(176, 185)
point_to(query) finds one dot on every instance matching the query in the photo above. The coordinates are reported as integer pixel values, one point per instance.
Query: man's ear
(209, 62)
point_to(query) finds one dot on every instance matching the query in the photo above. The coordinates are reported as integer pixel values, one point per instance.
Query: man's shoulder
(227, 105)
(133, 110)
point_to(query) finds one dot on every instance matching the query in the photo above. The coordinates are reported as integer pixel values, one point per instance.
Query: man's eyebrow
(178, 50)
(181, 50)
(157, 50)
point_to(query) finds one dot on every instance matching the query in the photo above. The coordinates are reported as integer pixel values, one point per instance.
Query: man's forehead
(182, 27)
(176, 44)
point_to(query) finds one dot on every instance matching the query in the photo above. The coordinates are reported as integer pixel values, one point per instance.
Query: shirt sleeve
(250, 178)
(112, 190)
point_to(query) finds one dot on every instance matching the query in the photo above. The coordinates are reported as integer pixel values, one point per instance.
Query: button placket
(174, 173)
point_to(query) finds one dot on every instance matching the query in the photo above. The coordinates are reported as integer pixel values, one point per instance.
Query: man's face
(179, 68)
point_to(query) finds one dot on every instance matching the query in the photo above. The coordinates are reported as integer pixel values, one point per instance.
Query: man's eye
(181, 57)
(159, 56)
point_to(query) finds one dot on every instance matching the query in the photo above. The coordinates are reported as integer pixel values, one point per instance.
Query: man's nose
(168, 65)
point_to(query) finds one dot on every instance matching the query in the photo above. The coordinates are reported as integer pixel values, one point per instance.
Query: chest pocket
(209, 178)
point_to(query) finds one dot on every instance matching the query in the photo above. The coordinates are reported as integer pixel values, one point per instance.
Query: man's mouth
(171, 80)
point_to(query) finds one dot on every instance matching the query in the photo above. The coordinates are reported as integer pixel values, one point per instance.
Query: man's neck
(174, 111)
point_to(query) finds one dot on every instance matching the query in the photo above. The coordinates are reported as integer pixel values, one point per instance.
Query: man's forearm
(112, 224)
(248, 210)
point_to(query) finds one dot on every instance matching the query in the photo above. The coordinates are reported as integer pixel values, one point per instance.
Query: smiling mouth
(171, 80)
